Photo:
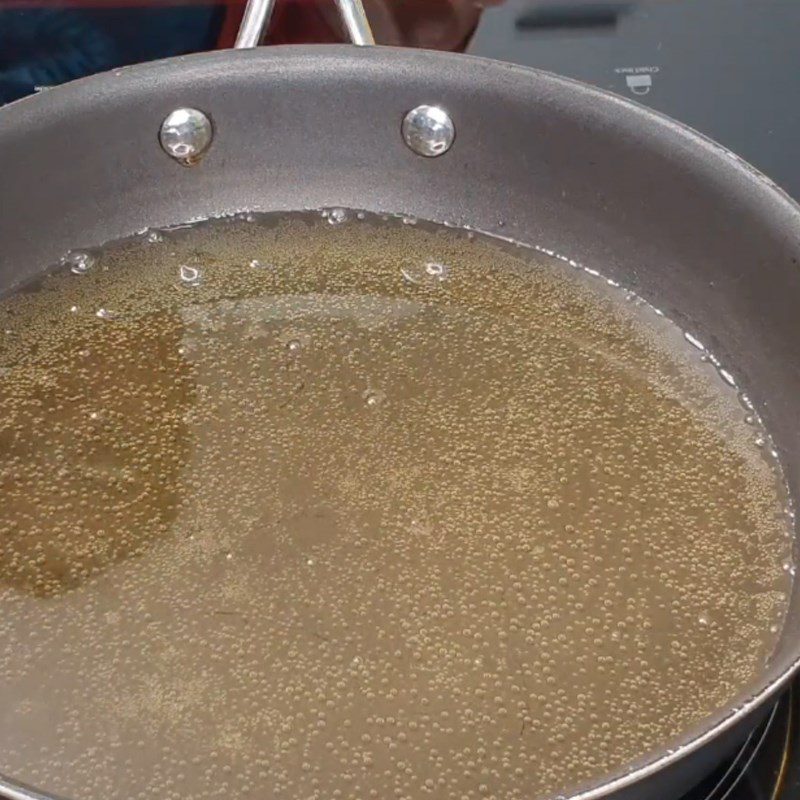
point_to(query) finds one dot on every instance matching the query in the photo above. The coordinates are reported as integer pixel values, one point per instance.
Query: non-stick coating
(537, 158)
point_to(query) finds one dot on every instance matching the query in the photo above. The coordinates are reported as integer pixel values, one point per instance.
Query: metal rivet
(185, 135)
(428, 131)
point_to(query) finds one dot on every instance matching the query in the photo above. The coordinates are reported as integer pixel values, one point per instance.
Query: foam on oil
(295, 509)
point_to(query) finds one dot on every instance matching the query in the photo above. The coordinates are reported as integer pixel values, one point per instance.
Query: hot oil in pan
(296, 509)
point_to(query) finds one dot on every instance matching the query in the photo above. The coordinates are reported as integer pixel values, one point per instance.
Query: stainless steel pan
(521, 153)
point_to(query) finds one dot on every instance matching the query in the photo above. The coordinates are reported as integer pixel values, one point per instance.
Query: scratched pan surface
(537, 158)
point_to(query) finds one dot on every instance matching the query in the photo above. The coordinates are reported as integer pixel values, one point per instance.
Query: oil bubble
(78, 261)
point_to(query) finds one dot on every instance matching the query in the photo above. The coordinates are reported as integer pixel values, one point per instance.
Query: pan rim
(296, 57)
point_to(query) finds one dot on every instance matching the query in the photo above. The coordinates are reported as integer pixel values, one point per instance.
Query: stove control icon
(639, 80)
(639, 84)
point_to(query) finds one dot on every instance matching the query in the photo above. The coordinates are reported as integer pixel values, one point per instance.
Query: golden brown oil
(364, 510)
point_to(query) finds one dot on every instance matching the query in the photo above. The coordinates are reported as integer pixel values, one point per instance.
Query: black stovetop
(729, 68)
(766, 767)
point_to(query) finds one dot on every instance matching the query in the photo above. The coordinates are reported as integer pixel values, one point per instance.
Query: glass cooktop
(729, 68)
(766, 767)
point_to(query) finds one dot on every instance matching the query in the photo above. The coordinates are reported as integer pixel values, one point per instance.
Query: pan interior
(338, 505)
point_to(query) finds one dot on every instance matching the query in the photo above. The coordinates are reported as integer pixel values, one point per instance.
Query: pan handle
(258, 13)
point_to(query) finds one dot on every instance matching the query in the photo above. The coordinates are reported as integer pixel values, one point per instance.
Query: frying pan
(512, 151)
